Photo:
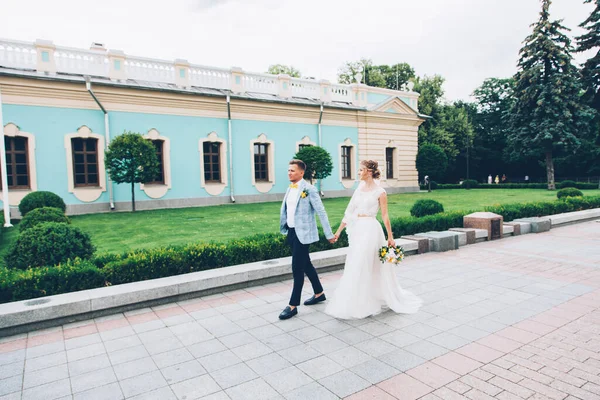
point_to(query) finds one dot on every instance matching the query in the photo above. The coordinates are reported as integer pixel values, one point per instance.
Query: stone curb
(22, 316)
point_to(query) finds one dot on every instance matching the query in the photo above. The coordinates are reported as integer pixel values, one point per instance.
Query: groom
(297, 220)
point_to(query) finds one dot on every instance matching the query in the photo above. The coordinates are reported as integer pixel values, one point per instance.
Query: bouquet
(391, 254)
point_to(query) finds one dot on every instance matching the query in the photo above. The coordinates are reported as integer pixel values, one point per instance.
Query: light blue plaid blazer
(306, 224)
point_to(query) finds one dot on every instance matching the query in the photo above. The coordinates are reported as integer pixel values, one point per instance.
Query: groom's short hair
(299, 163)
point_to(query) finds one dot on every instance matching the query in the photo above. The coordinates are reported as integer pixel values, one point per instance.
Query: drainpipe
(5, 202)
(230, 149)
(320, 119)
(88, 86)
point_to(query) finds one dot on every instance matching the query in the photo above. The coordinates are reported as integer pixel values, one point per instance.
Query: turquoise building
(222, 135)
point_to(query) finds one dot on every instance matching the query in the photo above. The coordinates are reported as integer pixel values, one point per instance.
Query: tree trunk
(550, 170)
(132, 197)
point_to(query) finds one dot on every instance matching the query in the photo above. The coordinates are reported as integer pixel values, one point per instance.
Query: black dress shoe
(314, 300)
(288, 313)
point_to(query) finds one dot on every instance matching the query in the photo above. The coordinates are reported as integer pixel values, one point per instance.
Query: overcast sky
(465, 41)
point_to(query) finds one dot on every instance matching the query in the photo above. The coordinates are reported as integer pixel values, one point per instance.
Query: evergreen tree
(591, 68)
(547, 114)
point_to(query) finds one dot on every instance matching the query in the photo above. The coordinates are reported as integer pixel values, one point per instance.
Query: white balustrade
(261, 83)
(148, 69)
(77, 61)
(306, 88)
(15, 54)
(341, 93)
(24, 55)
(210, 77)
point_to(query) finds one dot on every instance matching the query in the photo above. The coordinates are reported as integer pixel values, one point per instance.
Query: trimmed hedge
(566, 184)
(41, 215)
(41, 199)
(469, 183)
(579, 185)
(425, 207)
(569, 192)
(110, 269)
(49, 243)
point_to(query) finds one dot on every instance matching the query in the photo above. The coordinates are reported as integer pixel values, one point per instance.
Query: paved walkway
(517, 318)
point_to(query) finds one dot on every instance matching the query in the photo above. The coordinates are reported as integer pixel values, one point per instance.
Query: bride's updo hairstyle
(372, 166)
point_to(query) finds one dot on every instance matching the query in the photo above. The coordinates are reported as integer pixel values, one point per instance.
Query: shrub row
(110, 269)
(578, 185)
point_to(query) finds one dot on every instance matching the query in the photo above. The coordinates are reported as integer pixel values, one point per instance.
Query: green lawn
(117, 232)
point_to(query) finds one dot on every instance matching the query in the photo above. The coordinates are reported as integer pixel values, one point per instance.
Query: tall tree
(277, 69)
(131, 159)
(318, 162)
(547, 113)
(590, 41)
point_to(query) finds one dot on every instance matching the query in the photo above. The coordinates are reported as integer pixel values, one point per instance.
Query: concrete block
(409, 246)
(423, 243)
(508, 230)
(514, 227)
(469, 233)
(491, 222)
(576, 216)
(538, 224)
(441, 241)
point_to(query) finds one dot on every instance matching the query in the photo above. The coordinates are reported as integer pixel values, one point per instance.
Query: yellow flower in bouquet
(391, 254)
(304, 193)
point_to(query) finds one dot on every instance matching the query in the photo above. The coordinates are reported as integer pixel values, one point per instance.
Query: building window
(302, 146)
(85, 162)
(346, 162)
(261, 162)
(160, 176)
(17, 162)
(389, 163)
(212, 161)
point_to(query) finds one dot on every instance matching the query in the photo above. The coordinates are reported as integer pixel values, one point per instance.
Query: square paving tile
(287, 379)
(182, 372)
(195, 388)
(432, 375)
(405, 387)
(220, 360)
(374, 371)
(233, 376)
(268, 364)
(320, 367)
(402, 360)
(344, 383)
(134, 368)
(257, 389)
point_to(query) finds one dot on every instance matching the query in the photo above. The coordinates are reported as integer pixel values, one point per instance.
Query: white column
(5, 202)
(285, 86)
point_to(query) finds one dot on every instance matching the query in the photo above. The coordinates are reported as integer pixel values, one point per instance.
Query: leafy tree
(430, 103)
(318, 162)
(386, 76)
(277, 69)
(431, 161)
(131, 159)
(547, 113)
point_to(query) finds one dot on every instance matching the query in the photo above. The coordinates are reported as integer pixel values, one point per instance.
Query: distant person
(489, 179)
(497, 180)
(526, 178)
(503, 178)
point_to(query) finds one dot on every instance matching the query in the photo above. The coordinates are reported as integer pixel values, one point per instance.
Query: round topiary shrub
(426, 207)
(41, 199)
(48, 244)
(568, 192)
(469, 183)
(567, 184)
(41, 215)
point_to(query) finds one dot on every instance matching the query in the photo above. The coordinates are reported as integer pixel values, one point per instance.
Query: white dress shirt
(291, 201)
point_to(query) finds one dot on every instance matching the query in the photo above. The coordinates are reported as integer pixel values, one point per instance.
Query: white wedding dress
(368, 286)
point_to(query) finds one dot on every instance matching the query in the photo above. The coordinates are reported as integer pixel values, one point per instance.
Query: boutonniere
(304, 193)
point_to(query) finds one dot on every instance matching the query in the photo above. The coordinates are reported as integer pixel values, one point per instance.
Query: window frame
(85, 153)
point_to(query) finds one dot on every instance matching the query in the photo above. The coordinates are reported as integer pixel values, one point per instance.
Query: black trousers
(301, 265)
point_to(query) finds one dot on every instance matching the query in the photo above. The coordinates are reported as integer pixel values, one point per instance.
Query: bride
(367, 286)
